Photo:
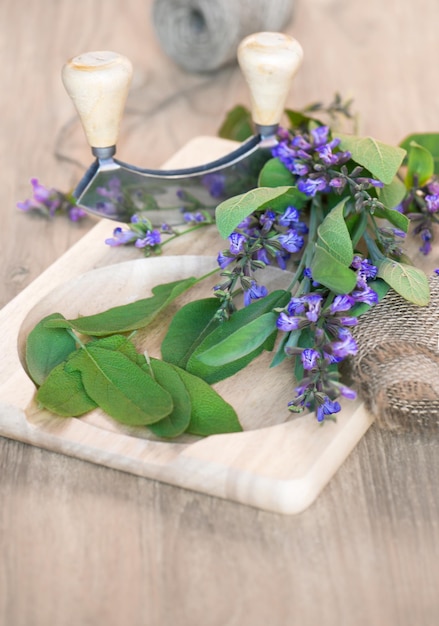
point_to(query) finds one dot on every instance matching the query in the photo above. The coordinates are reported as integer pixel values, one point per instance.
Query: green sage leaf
(410, 282)
(63, 393)
(230, 213)
(240, 319)
(129, 316)
(46, 348)
(242, 342)
(330, 272)
(382, 160)
(356, 224)
(429, 141)
(334, 237)
(120, 387)
(420, 166)
(237, 125)
(178, 420)
(275, 174)
(392, 194)
(299, 120)
(289, 340)
(211, 414)
(188, 328)
(396, 218)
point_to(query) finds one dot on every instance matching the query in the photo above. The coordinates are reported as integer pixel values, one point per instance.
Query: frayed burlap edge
(396, 369)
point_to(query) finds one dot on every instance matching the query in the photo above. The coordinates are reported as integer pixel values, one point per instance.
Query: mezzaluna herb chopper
(98, 84)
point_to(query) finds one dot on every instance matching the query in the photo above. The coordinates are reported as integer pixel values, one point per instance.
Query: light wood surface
(82, 544)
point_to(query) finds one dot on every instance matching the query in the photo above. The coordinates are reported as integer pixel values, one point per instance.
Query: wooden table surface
(81, 544)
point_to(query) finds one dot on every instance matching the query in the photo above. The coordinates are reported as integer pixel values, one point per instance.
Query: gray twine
(203, 35)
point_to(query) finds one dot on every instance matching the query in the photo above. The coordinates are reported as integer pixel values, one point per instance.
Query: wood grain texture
(276, 464)
(81, 544)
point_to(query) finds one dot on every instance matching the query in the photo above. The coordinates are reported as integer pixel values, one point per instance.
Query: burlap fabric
(396, 370)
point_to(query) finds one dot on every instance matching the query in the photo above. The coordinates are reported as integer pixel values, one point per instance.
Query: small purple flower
(367, 295)
(281, 259)
(329, 407)
(48, 202)
(76, 213)
(347, 392)
(342, 303)
(254, 293)
(224, 260)
(347, 320)
(320, 135)
(426, 237)
(289, 217)
(152, 238)
(192, 217)
(296, 306)
(314, 302)
(310, 186)
(309, 358)
(237, 241)
(337, 182)
(346, 346)
(291, 241)
(287, 322)
(121, 237)
(262, 255)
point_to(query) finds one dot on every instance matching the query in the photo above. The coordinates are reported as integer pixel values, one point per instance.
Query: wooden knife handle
(98, 84)
(269, 62)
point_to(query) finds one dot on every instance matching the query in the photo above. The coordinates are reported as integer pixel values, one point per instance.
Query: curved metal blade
(117, 190)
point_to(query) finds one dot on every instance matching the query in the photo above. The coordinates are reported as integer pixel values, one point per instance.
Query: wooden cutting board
(277, 464)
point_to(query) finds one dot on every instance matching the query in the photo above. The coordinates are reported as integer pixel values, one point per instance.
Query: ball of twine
(203, 35)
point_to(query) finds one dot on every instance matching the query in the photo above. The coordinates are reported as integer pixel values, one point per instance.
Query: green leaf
(242, 342)
(188, 328)
(330, 272)
(420, 166)
(410, 282)
(46, 348)
(213, 374)
(275, 174)
(382, 160)
(120, 387)
(130, 316)
(64, 394)
(289, 340)
(356, 224)
(237, 125)
(299, 120)
(120, 343)
(392, 194)
(178, 420)
(429, 141)
(211, 414)
(396, 218)
(230, 213)
(334, 237)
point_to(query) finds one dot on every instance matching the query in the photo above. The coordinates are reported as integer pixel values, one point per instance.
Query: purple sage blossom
(237, 241)
(310, 358)
(287, 322)
(254, 293)
(329, 407)
(291, 241)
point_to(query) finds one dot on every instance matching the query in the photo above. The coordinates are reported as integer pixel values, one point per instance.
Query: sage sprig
(332, 208)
